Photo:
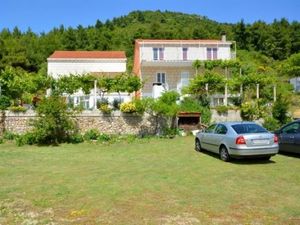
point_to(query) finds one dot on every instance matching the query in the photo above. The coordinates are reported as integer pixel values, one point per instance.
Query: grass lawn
(149, 181)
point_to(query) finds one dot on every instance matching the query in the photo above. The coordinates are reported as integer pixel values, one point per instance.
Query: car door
(206, 140)
(296, 148)
(288, 136)
(217, 137)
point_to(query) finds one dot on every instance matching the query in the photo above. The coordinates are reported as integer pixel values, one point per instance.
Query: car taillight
(240, 140)
(275, 138)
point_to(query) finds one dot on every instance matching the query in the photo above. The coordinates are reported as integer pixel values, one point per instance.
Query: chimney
(223, 37)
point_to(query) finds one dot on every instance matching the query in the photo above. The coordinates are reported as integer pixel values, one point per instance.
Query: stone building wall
(173, 75)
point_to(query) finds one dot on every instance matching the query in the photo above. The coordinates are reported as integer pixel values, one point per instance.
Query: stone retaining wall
(231, 115)
(114, 123)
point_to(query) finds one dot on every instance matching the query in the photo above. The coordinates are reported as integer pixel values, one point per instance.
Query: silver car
(237, 140)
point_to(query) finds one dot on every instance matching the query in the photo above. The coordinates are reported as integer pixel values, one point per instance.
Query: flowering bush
(128, 107)
(17, 108)
(105, 108)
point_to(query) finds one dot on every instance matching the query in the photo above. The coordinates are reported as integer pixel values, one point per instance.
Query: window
(211, 53)
(155, 53)
(215, 53)
(248, 128)
(158, 53)
(161, 78)
(291, 129)
(211, 128)
(185, 79)
(184, 53)
(221, 129)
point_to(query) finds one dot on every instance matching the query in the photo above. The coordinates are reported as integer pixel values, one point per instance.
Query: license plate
(261, 142)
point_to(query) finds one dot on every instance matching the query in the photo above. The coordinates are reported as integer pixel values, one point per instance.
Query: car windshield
(248, 128)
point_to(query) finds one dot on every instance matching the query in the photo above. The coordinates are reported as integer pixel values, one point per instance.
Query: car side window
(221, 129)
(211, 128)
(291, 129)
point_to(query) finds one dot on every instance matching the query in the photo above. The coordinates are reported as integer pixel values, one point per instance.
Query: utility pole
(274, 93)
(95, 94)
(226, 88)
(226, 95)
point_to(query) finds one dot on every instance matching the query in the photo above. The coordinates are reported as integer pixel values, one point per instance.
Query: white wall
(65, 67)
(175, 52)
(224, 53)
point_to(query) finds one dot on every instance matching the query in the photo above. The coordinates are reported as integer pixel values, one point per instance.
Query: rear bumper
(270, 151)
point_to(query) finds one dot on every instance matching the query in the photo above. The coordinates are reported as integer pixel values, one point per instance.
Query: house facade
(108, 63)
(167, 64)
(296, 83)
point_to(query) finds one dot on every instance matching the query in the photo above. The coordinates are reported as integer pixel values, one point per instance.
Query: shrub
(204, 100)
(271, 124)
(166, 104)
(222, 109)
(143, 105)
(76, 138)
(1, 140)
(105, 108)
(170, 132)
(103, 137)
(248, 111)
(17, 108)
(205, 115)
(116, 103)
(280, 110)
(4, 102)
(130, 138)
(253, 110)
(190, 104)
(54, 124)
(26, 139)
(128, 107)
(237, 101)
(9, 135)
(102, 101)
(92, 134)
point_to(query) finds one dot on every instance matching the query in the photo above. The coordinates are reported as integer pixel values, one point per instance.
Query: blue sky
(43, 15)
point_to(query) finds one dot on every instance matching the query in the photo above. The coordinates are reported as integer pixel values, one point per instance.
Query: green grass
(152, 181)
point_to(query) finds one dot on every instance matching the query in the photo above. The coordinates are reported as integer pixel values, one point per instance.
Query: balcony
(173, 63)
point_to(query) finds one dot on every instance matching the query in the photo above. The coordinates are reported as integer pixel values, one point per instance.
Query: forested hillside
(29, 50)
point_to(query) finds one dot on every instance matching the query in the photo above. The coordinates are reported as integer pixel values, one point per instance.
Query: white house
(296, 83)
(110, 63)
(168, 63)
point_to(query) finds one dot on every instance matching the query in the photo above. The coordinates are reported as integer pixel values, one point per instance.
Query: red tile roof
(88, 55)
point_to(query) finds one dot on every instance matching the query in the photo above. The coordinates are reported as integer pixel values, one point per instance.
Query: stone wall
(114, 123)
(117, 123)
(17, 122)
(231, 115)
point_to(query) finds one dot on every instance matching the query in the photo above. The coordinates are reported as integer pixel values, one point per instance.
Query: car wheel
(198, 145)
(224, 155)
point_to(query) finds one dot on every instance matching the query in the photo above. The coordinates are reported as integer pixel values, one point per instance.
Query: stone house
(167, 64)
(108, 63)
